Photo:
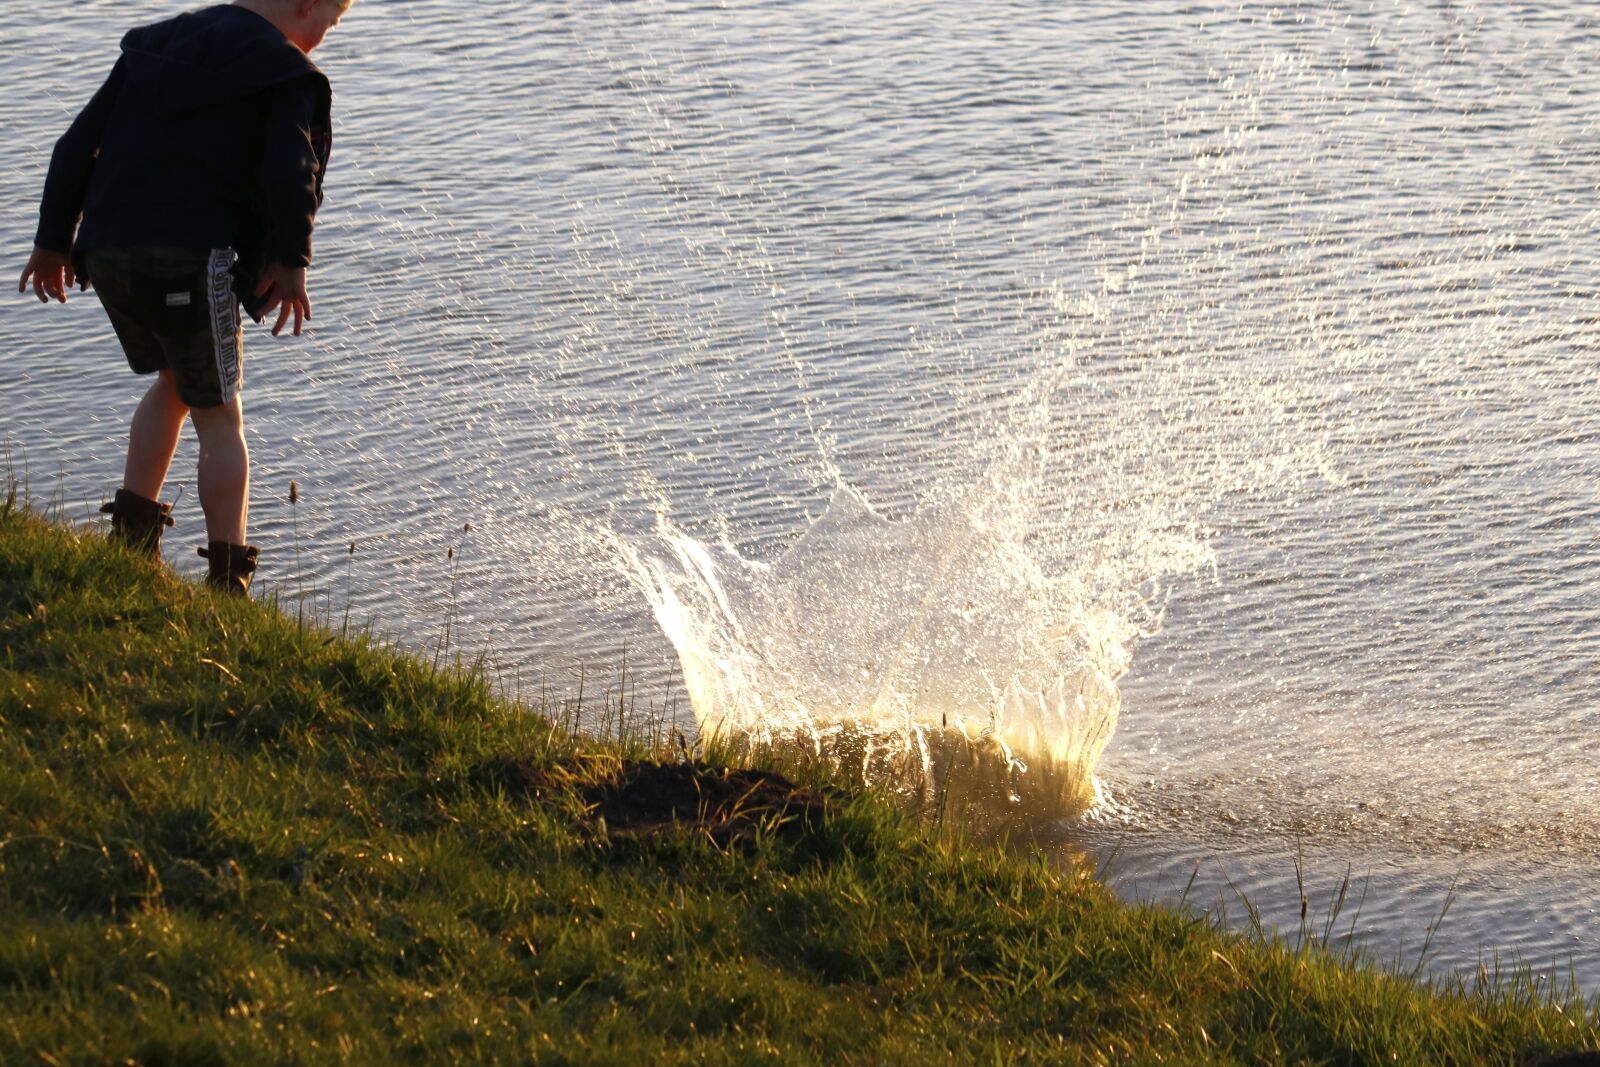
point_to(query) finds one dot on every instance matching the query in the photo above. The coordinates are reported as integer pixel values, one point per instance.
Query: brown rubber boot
(138, 521)
(231, 566)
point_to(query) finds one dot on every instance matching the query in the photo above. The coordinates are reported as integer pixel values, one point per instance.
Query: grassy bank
(226, 838)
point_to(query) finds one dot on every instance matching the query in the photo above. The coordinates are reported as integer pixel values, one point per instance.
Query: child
(196, 171)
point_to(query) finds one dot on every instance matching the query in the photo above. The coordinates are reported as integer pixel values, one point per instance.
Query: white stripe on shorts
(224, 321)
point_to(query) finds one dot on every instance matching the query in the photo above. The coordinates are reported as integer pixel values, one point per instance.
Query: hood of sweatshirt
(210, 57)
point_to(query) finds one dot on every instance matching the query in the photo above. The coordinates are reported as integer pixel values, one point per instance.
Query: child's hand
(52, 275)
(285, 289)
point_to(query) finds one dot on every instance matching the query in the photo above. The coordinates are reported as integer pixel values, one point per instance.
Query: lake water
(1288, 310)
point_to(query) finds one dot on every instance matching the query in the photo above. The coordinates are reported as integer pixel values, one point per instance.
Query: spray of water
(1000, 610)
(1091, 417)
(889, 629)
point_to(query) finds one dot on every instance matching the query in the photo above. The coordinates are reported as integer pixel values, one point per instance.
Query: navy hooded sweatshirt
(212, 131)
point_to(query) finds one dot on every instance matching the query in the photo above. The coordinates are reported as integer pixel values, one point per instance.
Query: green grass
(228, 838)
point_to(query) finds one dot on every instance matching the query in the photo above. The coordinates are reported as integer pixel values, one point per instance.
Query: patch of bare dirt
(637, 798)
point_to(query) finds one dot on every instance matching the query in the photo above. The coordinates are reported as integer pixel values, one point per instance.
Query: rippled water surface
(1311, 289)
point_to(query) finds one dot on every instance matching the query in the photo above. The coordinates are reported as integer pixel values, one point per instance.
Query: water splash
(998, 610)
(1088, 427)
(942, 619)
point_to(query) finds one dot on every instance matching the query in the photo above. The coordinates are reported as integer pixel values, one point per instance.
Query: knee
(224, 419)
(168, 386)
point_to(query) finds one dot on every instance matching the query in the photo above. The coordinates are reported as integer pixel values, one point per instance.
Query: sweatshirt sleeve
(71, 164)
(291, 185)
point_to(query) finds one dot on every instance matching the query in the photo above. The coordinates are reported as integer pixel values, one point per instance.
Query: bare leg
(154, 437)
(224, 470)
